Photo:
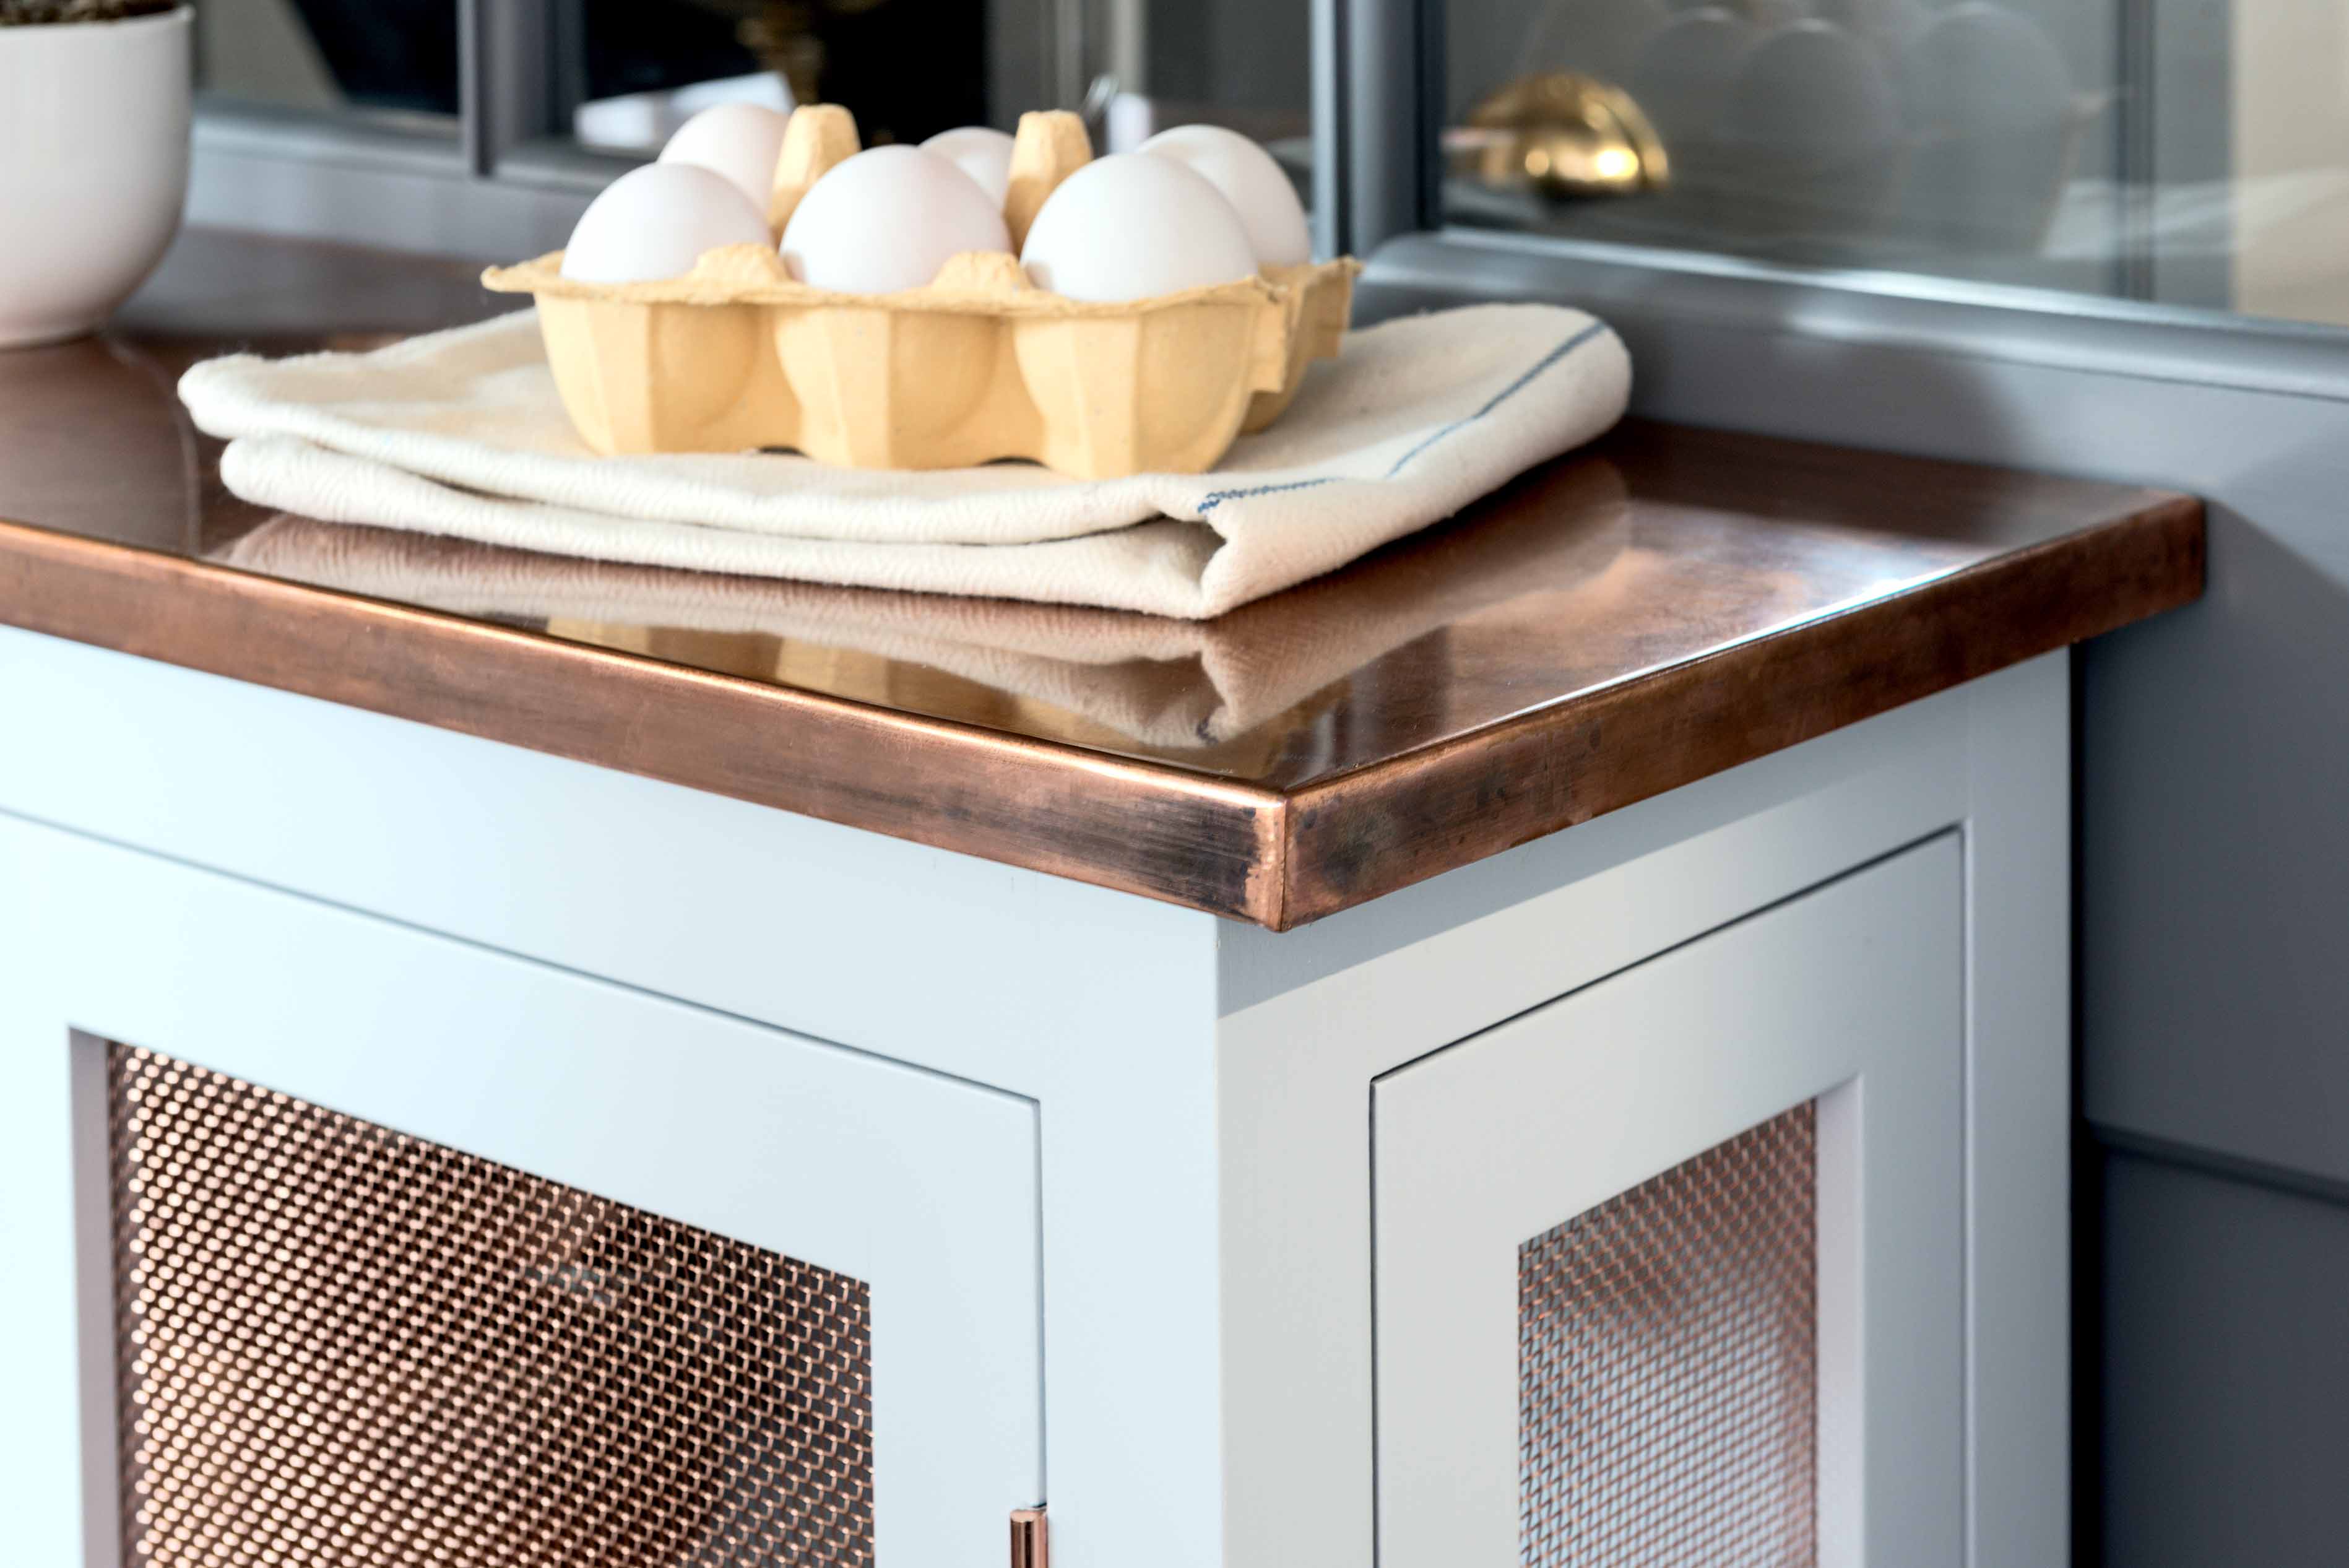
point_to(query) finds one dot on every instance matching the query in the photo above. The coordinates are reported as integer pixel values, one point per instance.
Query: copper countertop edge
(2168, 531)
(1279, 858)
(1248, 794)
(1237, 822)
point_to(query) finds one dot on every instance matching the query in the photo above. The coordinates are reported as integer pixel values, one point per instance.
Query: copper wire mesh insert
(343, 1346)
(1667, 1365)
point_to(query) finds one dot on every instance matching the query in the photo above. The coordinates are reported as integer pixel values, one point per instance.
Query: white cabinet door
(914, 1195)
(1671, 1269)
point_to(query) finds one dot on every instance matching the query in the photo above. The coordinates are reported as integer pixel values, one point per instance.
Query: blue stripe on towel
(1216, 498)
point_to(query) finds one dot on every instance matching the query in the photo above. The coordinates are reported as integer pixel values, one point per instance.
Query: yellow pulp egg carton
(975, 366)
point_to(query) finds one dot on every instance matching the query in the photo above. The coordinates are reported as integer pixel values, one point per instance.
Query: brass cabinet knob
(1564, 134)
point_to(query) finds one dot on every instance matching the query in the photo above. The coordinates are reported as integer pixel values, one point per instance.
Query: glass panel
(1235, 63)
(630, 71)
(2196, 153)
(634, 70)
(396, 57)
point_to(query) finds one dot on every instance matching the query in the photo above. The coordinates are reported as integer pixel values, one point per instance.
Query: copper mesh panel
(343, 1346)
(1667, 1365)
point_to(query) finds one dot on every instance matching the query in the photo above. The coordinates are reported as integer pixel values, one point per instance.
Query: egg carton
(976, 365)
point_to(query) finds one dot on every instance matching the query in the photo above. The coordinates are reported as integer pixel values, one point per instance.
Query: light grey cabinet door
(325, 1232)
(1672, 1268)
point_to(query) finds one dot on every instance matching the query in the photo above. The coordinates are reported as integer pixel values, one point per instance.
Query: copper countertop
(1664, 605)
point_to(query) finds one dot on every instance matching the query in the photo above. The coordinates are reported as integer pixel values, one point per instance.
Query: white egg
(654, 222)
(888, 219)
(739, 141)
(980, 151)
(1132, 225)
(1252, 181)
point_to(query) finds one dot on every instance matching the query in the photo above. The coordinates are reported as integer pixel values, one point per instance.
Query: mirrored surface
(2195, 154)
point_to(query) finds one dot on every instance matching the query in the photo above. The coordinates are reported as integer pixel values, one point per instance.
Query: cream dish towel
(461, 433)
(1174, 686)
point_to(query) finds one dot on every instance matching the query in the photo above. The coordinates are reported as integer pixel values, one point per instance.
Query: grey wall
(2213, 844)
(2225, 1370)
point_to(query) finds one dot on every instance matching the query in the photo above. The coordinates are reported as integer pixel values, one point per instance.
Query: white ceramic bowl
(94, 122)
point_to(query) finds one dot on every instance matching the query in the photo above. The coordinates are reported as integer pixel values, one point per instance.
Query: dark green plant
(44, 13)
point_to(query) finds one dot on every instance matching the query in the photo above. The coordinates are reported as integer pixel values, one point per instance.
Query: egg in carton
(977, 365)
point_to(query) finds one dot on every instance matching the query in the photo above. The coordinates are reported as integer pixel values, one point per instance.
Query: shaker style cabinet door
(1669, 1271)
(327, 1241)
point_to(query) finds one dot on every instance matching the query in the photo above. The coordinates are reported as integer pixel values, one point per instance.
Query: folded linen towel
(1173, 686)
(462, 434)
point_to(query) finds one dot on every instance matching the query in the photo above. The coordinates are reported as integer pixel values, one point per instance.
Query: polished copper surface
(1666, 605)
(1032, 1539)
(340, 1346)
(1668, 1366)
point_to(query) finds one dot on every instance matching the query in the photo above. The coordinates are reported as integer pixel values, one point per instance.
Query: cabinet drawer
(1670, 1269)
(389, 1247)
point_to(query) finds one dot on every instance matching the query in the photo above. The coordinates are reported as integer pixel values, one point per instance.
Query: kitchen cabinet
(1279, 1093)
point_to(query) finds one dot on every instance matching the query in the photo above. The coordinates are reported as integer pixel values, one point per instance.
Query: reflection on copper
(1102, 679)
(1613, 625)
(63, 401)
